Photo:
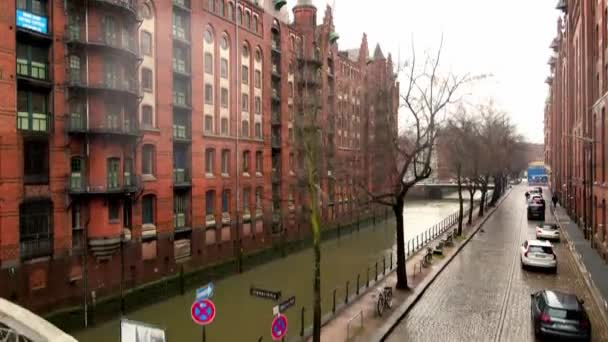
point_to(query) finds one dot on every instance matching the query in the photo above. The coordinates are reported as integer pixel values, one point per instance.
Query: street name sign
(266, 294)
(204, 292)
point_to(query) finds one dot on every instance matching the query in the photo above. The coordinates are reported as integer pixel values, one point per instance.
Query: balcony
(275, 141)
(77, 124)
(184, 5)
(127, 6)
(308, 78)
(181, 101)
(110, 85)
(275, 96)
(276, 177)
(33, 74)
(276, 72)
(181, 68)
(276, 119)
(127, 48)
(181, 133)
(181, 178)
(275, 46)
(79, 185)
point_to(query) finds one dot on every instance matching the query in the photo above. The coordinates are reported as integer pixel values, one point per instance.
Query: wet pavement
(484, 295)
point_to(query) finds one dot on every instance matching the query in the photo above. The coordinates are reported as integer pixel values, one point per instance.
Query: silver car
(548, 231)
(538, 254)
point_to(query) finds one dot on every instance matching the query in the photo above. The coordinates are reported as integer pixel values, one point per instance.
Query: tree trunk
(460, 202)
(401, 269)
(497, 189)
(471, 204)
(482, 204)
(316, 230)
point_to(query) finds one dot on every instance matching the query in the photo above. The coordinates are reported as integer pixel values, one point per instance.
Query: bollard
(302, 321)
(384, 265)
(376, 278)
(182, 285)
(358, 276)
(391, 260)
(367, 282)
(346, 293)
(261, 339)
(417, 242)
(333, 308)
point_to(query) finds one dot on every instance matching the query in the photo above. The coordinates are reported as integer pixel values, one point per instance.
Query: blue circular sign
(203, 312)
(278, 329)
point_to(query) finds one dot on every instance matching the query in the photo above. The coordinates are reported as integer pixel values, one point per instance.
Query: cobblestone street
(484, 295)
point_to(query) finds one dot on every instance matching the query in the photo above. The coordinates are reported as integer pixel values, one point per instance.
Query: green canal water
(240, 317)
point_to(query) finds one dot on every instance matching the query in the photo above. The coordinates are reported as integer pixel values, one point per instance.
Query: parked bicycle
(385, 300)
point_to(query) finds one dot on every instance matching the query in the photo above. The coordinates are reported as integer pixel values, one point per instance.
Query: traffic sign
(267, 294)
(278, 329)
(203, 312)
(204, 292)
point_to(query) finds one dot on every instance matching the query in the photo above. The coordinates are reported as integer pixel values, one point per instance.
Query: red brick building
(138, 136)
(575, 120)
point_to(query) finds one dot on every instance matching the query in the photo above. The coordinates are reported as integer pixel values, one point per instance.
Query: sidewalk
(359, 320)
(593, 268)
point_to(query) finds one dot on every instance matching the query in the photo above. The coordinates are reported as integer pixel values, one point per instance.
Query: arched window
(239, 16)
(247, 20)
(245, 51)
(208, 35)
(220, 8)
(258, 54)
(224, 42)
(230, 11)
(254, 25)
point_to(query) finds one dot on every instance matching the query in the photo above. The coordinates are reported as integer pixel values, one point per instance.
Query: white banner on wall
(132, 331)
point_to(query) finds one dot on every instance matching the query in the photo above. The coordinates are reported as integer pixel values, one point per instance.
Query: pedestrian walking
(554, 200)
(527, 196)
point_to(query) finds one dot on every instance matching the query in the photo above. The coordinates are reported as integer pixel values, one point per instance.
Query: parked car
(535, 191)
(536, 208)
(559, 315)
(540, 190)
(549, 231)
(538, 254)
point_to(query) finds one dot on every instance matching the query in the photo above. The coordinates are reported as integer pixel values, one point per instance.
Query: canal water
(240, 317)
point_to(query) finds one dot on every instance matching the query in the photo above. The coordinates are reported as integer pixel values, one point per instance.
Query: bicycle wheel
(389, 299)
(380, 305)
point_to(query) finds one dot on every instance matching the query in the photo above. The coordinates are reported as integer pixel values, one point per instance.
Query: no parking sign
(203, 312)
(278, 329)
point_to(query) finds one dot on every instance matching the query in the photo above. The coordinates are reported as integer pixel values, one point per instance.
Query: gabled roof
(378, 53)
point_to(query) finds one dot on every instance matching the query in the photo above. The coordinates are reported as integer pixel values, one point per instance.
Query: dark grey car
(559, 315)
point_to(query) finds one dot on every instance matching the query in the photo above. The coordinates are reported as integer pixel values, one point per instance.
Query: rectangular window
(113, 210)
(258, 198)
(147, 162)
(257, 79)
(225, 201)
(77, 232)
(245, 128)
(35, 162)
(208, 124)
(224, 126)
(113, 171)
(110, 73)
(74, 69)
(209, 158)
(246, 195)
(208, 63)
(146, 116)
(291, 162)
(245, 103)
(32, 61)
(35, 230)
(258, 161)
(208, 94)
(179, 210)
(258, 130)
(209, 199)
(146, 43)
(147, 210)
(110, 30)
(225, 162)
(224, 68)
(245, 161)
(180, 26)
(181, 92)
(32, 112)
(146, 79)
(224, 98)
(258, 105)
(181, 60)
(245, 74)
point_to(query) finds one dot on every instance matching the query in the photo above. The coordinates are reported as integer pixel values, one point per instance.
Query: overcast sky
(507, 38)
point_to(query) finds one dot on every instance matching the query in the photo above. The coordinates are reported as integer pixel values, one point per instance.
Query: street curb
(597, 297)
(382, 333)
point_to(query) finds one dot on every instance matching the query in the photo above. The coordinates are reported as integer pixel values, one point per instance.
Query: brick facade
(135, 153)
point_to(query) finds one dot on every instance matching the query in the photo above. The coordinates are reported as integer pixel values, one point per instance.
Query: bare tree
(400, 160)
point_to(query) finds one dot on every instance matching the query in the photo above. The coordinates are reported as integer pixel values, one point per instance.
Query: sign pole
(204, 334)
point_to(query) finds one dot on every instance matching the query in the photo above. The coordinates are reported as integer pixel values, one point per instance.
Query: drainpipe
(84, 258)
(236, 140)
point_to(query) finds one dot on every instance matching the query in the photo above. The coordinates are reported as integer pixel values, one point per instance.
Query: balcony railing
(128, 5)
(181, 99)
(77, 124)
(276, 71)
(32, 69)
(275, 95)
(275, 46)
(179, 220)
(128, 86)
(183, 4)
(276, 118)
(34, 123)
(276, 177)
(125, 46)
(80, 185)
(36, 246)
(181, 177)
(275, 141)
